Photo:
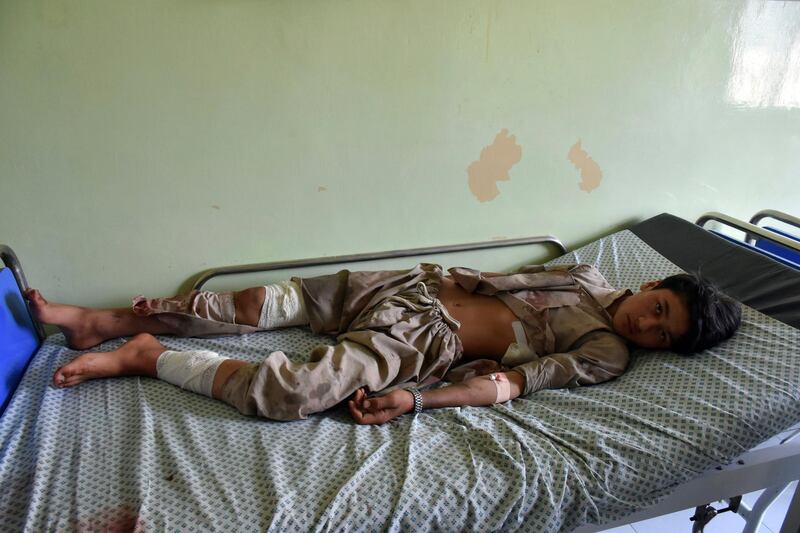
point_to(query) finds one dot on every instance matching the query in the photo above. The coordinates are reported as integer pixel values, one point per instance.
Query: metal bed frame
(774, 468)
(203, 277)
(751, 229)
(753, 233)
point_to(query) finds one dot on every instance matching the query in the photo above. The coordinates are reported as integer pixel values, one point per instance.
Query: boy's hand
(381, 408)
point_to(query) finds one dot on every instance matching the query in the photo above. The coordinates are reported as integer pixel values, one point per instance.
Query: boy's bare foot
(73, 321)
(136, 357)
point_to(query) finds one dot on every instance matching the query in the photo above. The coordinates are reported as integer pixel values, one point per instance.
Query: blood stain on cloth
(120, 519)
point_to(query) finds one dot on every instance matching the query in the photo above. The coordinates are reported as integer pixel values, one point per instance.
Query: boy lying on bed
(494, 336)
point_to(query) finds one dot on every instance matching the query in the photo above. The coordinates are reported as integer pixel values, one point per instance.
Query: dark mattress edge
(747, 276)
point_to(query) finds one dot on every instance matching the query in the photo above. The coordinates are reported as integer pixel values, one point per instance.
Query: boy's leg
(280, 389)
(85, 327)
(224, 372)
(137, 357)
(276, 388)
(140, 357)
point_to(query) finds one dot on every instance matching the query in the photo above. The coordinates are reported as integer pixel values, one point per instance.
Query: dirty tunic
(568, 337)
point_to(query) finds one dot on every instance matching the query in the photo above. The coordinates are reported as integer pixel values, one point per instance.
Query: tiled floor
(723, 523)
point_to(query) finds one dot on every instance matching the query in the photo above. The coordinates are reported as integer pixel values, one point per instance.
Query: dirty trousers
(391, 331)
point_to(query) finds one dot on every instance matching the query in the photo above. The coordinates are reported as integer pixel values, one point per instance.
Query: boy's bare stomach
(486, 330)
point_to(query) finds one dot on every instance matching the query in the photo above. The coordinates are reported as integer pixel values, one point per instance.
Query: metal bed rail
(749, 229)
(203, 277)
(777, 215)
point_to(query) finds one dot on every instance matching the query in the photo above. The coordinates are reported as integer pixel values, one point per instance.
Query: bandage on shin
(502, 387)
(194, 370)
(283, 306)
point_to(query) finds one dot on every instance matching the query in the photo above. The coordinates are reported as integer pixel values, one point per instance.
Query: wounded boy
(494, 336)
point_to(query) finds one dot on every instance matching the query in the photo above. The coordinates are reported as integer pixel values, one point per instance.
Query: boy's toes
(36, 300)
(59, 378)
(70, 374)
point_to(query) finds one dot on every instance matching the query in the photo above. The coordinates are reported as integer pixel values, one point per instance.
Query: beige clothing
(562, 308)
(392, 331)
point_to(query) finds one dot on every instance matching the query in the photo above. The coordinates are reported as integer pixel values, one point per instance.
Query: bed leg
(754, 516)
(791, 523)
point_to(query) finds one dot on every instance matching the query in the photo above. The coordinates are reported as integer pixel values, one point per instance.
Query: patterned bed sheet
(136, 453)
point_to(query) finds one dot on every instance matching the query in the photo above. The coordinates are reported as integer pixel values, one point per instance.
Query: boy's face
(653, 318)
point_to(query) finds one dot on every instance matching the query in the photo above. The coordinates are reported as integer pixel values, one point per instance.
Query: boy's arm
(480, 390)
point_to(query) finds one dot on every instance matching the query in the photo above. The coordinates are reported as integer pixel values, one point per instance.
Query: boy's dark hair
(713, 317)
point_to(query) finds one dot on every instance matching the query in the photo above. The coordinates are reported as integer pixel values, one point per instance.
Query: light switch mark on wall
(494, 164)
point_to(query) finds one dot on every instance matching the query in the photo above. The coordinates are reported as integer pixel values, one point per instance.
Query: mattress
(768, 286)
(136, 452)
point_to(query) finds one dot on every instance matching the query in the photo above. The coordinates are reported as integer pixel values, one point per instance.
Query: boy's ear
(649, 284)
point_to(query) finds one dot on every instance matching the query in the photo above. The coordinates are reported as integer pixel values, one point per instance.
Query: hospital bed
(673, 432)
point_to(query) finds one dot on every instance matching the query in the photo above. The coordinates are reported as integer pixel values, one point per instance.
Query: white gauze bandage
(502, 387)
(283, 306)
(192, 371)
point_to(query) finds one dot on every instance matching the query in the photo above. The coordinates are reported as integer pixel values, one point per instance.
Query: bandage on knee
(283, 306)
(194, 370)
(502, 387)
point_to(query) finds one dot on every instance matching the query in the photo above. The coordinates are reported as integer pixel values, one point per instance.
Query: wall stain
(494, 164)
(591, 175)
(215, 207)
(321, 189)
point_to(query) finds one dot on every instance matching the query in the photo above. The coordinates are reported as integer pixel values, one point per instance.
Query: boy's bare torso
(486, 330)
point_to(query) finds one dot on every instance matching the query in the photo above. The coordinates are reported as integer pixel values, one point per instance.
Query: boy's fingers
(355, 413)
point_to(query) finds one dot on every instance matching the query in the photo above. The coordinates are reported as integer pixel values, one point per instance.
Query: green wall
(142, 142)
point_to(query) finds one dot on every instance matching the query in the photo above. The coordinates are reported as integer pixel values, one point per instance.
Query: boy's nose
(647, 323)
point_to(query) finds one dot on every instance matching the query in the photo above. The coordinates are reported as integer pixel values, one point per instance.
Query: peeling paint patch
(591, 175)
(321, 189)
(494, 164)
(215, 207)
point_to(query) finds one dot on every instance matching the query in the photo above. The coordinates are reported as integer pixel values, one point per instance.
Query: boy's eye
(658, 308)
